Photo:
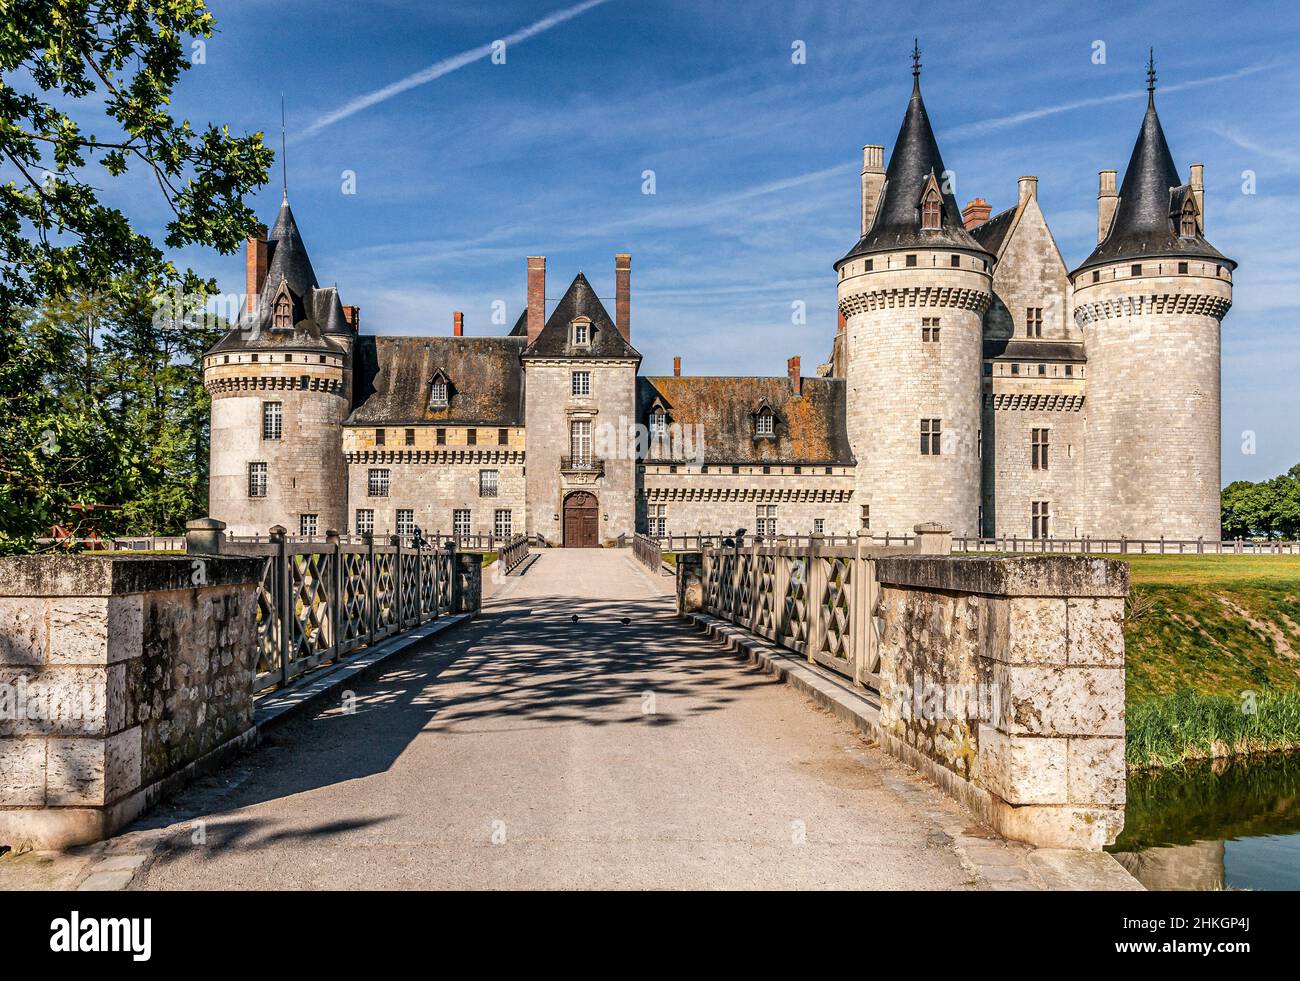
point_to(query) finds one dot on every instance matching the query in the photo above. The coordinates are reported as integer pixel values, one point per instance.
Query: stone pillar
(690, 582)
(467, 582)
(117, 675)
(1002, 679)
(933, 538)
(204, 536)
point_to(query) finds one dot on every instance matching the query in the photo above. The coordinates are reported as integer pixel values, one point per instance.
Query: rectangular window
(377, 483)
(1136, 271)
(438, 395)
(405, 522)
(1042, 369)
(866, 517)
(765, 424)
(460, 522)
(930, 330)
(870, 265)
(579, 333)
(580, 383)
(911, 260)
(1069, 370)
(765, 521)
(931, 437)
(487, 483)
(502, 524)
(580, 442)
(1182, 267)
(956, 261)
(365, 521)
(272, 415)
(1040, 520)
(503, 437)
(307, 524)
(1038, 449)
(257, 480)
(657, 515)
(410, 437)
(471, 437)
(1096, 275)
(1015, 369)
(440, 437)
(819, 526)
(381, 437)
(1033, 321)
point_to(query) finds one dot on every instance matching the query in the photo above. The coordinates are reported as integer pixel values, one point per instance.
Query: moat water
(1220, 825)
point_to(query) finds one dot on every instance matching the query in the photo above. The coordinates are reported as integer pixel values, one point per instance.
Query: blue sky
(755, 158)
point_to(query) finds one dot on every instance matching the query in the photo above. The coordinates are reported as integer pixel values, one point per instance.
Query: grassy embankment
(1213, 656)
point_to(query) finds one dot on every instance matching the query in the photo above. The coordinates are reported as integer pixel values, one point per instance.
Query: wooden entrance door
(581, 520)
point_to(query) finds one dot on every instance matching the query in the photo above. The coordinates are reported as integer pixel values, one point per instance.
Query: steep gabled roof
(914, 160)
(579, 300)
(992, 233)
(1145, 223)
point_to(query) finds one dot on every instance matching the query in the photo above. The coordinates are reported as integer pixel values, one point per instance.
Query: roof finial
(1151, 73)
(284, 162)
(916, 63)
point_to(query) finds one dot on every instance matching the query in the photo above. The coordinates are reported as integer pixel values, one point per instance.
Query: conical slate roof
(914, 159)
(580, 300)
(1146, 222)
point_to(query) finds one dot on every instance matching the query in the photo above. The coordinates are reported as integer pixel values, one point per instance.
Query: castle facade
(974, 380)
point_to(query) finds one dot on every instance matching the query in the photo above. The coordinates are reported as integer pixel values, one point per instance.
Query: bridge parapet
(1000, 678)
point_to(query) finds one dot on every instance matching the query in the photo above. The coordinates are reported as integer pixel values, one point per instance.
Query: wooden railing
(648, 552)
(514, 553)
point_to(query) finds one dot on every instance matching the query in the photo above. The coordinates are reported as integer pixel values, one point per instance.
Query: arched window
(931, 209)
(283, 312)
(1188, 229)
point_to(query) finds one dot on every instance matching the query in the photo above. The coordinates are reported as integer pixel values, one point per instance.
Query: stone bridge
(577, 732)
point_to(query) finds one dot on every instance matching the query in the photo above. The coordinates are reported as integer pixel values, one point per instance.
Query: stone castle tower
(280, 384)
(912, 293)
(1149, 300)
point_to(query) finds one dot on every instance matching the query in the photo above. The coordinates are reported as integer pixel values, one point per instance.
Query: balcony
(582, 469)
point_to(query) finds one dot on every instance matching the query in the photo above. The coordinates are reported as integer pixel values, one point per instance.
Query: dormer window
(931, 209)
(765, 423)
(580, 332)
(282, 317)
(1187, 227)
(439, 391)
(658, 422)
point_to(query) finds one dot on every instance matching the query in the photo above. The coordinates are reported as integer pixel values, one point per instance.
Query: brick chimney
(536, 296)
(353, 317)
(976, 213)
(677, 366)
(458, 324)
(796, 380)
(255, 261)
(623, 294)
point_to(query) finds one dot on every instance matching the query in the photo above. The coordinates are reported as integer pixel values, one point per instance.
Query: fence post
(372, 608)
(400, 604)
(735, 579)
(282, 598)
(335, 588)
(453, 577)
(860, 624)
(814, 586)
(753, 584)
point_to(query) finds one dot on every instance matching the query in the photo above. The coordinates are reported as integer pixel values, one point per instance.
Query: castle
(974, 380)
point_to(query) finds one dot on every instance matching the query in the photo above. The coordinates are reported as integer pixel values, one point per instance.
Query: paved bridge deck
(532, 749)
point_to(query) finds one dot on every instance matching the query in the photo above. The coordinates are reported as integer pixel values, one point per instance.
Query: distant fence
(1008, 544)
(648, 552)
(319, 600)
(514, 553)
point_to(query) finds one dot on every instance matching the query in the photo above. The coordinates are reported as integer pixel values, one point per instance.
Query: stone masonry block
(24, 632)
(125, 627)
(1025, 630)
(123, 766)
(1096, 629)
(22, 772)
(1023, 769)
(79, 630)
(1060, 701)
(1097, 771)
(75, 772)
(61, 701)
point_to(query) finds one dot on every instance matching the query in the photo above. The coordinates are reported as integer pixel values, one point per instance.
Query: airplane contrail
(445, 67)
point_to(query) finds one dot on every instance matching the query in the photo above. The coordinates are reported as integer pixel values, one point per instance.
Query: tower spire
(284, 163)
(1151, 74)
(916, 65)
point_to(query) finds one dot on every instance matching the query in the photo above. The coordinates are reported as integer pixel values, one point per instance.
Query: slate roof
(1146, 219)
(898, 219)
(992, 233)
(393, 376)
(1032, 349)
(810, 429)
(318, 322)
(554, 341)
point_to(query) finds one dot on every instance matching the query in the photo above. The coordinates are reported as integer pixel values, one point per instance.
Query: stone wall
(1003, 680)
(722, 501)
(116, 674)
(433, 485)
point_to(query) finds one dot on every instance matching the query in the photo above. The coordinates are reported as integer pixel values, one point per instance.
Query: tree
(72, 264)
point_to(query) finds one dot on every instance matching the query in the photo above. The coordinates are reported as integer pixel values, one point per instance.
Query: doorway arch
(581, 520)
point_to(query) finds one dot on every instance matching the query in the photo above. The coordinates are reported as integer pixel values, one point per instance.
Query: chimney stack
(1107, 202)
(458, 324)
(1197, 181)
(975, 213)
(873, 179)
(255, 262)
(677, 366)
(1028, 188)
(536, 296)
(796, 380)
(353, 316)
(623, 294)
